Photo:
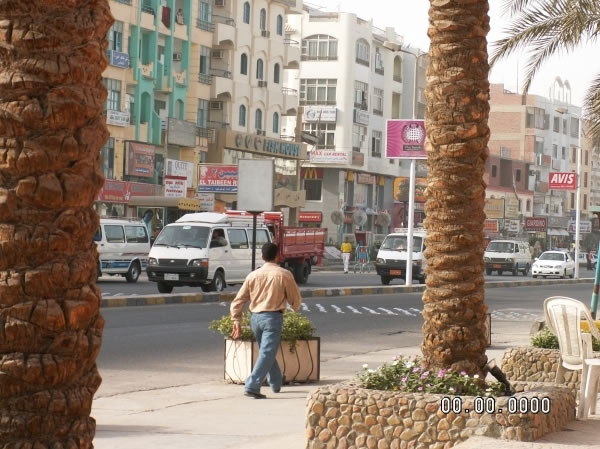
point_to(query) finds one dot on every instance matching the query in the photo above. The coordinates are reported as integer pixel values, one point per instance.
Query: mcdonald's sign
(311, 173)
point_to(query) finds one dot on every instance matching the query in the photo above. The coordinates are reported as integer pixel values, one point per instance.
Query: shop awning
(557, 231)
(563, 232)
(191, 204)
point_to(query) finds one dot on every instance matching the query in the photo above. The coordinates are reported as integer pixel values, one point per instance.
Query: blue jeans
(266, 327)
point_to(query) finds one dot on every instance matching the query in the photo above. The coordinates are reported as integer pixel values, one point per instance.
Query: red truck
(299, 248)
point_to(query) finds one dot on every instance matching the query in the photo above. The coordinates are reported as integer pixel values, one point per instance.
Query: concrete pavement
(213, 415)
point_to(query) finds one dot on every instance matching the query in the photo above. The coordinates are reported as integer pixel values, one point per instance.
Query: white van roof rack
(217, 218)
(403, 230)
(130, 219)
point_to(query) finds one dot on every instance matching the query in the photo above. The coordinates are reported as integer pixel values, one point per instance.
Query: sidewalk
(215, 415)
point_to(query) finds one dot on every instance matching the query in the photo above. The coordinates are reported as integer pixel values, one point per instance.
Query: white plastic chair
(563, 318)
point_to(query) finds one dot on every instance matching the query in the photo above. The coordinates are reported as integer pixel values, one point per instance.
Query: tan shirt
(268, 289)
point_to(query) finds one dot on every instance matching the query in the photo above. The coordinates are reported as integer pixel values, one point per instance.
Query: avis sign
(563, 181)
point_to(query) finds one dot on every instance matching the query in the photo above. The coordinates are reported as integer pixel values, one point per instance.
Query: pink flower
(442, 373)
(403, 379)
(395, 358)
(416, 370)
(420, 388)
(463, 373)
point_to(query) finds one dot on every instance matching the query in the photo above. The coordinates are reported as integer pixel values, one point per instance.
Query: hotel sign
(117, 118)
(264, 146)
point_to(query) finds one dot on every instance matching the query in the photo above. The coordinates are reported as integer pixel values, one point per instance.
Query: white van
(123, 246)
(507, 255)
(207, 250)
(391, 257)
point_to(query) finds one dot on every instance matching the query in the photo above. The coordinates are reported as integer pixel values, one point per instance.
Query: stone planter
(343, 416)
(298, 365)
(531, 364)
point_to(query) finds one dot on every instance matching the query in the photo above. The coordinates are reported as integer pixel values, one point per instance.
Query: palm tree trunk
(457, 96)
(52, 55)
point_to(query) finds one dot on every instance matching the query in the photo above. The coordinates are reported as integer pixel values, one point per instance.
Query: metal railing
(217, 125)
(318, 102)
(222, 19)
(204, 25)
(203, 132)
(363, 106)
(205, 78)
(148, 9)
(288, 91)
(377, 112)
(287, 2)
(362, 61)
(125, 2)
(318, 58)
(379, 70)
(291, 42)
(221, 73)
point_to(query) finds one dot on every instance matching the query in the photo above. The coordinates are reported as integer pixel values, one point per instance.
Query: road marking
(337, 309)
(389, 312)
(354, 310)
(119, 294)
(105, 294)
(321, 308)
(415, 310)
(371, 311)
(305, 308)
(405, 312)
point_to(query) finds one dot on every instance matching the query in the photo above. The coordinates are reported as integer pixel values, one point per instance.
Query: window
(262, 23)
(313, 189)
(556, 127)
(276, 71)
(113, 99)
(179, 109)
(359, 137)
(494, 171)
(317, 91)
(258, 119)
(259, 69)
(378, 61)
(242, 116)
(585, 179)
(276, 123)
(564, 154)
(362, 52)
(539, 145)
(246, 17)
(244, 64)
(107, 158)
(377, 101)
(202, 113)
(587, 157)
(262, 237)
(537, 118)
(115, 37)
(280, 25)
(398, 69)
(324, 131)
(554, 151)
(376, 143)
(572, 201)
(319, 47)
(204, 61)
(160, 105)
(528, 206)
(564, 126)
(114, 234)
(204, 12)
(361, 93)
(518, 175)
(585, 200)
(574, 127)
(574, 155)
(237, 238)
(136, 234)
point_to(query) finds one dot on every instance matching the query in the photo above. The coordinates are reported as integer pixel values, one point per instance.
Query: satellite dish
(383, 219)
(359, 217)
(337, 217)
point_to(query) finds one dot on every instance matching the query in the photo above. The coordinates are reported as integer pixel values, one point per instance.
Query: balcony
(291, 54)
(224, 31)
(147, 70)
(222, 83)
(216, 124)
(204, 25)
(148, 18)
(205, 78)
(361, 61)
(290, 101)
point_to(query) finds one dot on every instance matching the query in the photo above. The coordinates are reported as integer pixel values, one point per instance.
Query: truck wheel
(526, 270)
(218, 282)
(134, 272)
(488, 271)
(164, 288)
(301, 272)
(205, 288)
(385, 280)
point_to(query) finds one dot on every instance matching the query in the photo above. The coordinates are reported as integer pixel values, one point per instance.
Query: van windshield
(501, 247)
(183, 236)
(398, 243)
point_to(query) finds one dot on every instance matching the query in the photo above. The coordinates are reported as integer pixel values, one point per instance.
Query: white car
(554, 263)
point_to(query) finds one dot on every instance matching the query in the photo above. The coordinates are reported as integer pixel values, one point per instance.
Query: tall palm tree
(457, 97)
(52, 54)
(546, 28)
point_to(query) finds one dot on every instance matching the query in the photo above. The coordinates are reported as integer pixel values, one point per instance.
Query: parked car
(507, 255)
(554, 263)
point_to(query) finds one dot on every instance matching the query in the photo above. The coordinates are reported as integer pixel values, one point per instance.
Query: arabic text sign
(217, 178)
(175, 186)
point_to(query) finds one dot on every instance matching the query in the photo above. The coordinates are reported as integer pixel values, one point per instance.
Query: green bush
(411, 377)
(547, 340)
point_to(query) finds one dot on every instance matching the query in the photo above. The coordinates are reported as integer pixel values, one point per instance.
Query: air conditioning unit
(220, 3)
(262, 83)
(217, 54)
(215, 105)
(265, 33)
(539, 159)
(176, 56)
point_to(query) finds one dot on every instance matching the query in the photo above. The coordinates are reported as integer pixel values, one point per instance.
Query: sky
(409, 18)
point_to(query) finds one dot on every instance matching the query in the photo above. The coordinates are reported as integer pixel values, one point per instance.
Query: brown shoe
(251, 394)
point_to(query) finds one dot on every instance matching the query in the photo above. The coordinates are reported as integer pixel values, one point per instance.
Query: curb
(196, 298)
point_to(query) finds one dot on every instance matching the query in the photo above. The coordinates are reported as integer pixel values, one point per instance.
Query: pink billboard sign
(405, 139)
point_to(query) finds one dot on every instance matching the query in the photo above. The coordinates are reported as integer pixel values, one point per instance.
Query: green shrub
(547, 340)
(410, 377)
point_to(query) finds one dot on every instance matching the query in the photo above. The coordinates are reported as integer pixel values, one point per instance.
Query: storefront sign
(265, 146)
(180, 168)
(536, 224)
(181, 132)
(585, 226)
(140, 160)
(361, 117)
(328, 157)
(175, 186)
(562, 181)
(558, 222)
(512, 226)
(119, 59)
(511, 208)
(363, 178)
(402, 185)
(405, 139)
(319, 114)
(207, 201)
(311, 173)
(358, 158)
(120, 191)
(494, 208)
(117, 118)
(217, 178)
(290, 198)
(490, 226)
(310, 217)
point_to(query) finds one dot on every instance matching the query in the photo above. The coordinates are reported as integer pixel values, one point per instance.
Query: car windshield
(501, 247)
(552, 256)
(398, 243)
(183, 236)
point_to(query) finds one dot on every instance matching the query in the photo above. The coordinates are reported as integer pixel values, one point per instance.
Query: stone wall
(531, 364)
(345, 416)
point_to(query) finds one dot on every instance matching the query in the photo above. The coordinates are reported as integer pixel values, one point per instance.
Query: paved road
(142, 344)
(117, 286)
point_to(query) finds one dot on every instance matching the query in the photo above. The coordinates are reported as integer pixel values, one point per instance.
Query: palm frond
(591, 106)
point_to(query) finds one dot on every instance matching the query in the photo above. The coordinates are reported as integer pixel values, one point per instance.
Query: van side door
(138, 243)
(262, 237)
(241, 256)
(113, 248)
(219, 253)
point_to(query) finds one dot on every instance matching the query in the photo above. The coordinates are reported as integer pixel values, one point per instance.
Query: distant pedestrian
(346, 249)
(588, 260)
(269, 289)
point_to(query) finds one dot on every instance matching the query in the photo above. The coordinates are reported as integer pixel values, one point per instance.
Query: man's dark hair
(269, 251)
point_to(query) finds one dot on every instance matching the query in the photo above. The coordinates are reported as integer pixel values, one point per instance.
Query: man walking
(269, 289)
(346, 249)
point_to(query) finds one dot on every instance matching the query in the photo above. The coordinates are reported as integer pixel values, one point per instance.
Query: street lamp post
(393, 46)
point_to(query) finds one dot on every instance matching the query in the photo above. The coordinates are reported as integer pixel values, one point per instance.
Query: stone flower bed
(528, 363)
(345, 416)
